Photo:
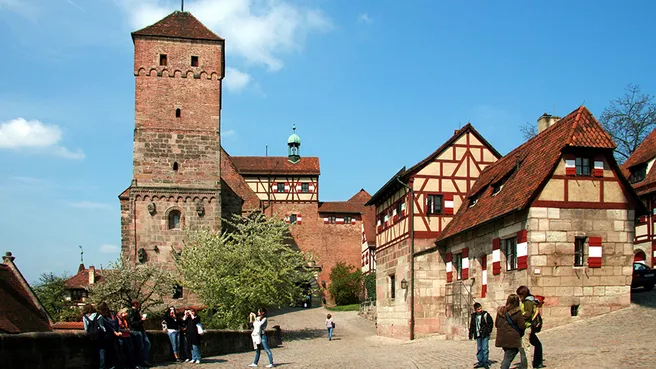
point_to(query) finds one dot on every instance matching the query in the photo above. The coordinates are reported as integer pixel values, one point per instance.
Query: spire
(294, 147)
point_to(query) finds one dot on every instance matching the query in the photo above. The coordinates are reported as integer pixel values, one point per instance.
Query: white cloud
(109, 249)
(365, 18)
(229, 133)
(259, 31)
(21, 133)
(235, 80)
(91, 205)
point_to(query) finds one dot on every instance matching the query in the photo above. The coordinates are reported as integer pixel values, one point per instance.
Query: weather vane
(82, 251)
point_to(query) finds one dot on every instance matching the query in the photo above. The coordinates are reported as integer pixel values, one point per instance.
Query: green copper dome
(294, 139)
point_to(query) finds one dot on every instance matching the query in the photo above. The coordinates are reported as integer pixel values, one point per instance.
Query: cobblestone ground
(622, 339)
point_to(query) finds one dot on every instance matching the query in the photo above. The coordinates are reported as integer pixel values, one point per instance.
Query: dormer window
(473, 200)
(638, 173)
(163, 60)
(194, 61)
(497, 187)
(583, 167)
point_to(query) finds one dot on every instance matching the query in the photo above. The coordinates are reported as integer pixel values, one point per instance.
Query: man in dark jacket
(138, 334)
(480, 328)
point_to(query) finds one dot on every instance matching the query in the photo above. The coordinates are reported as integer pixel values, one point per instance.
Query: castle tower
(178, 67)
(294, 147)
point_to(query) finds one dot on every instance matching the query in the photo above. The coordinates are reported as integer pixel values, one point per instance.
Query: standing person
(93, 325)
(113, 356)
(259, 333)
(173, 330)
(510, 329)
(138, 333)
(330, 325)
(185, 347)
(529, 305)
(125, 341)
(193, 336)
(480, 328)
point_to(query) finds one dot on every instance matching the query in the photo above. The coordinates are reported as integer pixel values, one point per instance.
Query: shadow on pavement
(642, 297)
(303, 334)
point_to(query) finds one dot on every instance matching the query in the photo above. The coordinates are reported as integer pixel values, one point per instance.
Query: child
(330, 325)
(480, 327)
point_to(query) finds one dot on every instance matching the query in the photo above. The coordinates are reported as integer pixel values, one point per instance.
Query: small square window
(194, 61)
(434, 204)
(579, 251)
(292, 218)
(347, 220)
(511, 253)
(399, 208)
(305, 187)
(162, 59)
(583, 166)
(457, 264)
(281, 187)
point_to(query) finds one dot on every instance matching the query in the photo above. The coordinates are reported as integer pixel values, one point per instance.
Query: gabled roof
(81, 279)
(641, 156)
(362, 196)
(393, 185)
(527, 168)
(179, 25)
(344, 207)
(232, 178)
(20, 309)
(272, 165)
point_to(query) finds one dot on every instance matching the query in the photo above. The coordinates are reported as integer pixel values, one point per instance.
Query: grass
(352, 307)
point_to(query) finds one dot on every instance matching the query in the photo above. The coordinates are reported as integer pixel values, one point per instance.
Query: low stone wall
(71, 350)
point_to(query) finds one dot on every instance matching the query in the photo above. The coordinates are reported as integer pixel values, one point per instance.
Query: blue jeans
(174, 336)
(195, 352)
(482, 350)
(101, 357)
(330, 333)
(143, 345)
(265, 345)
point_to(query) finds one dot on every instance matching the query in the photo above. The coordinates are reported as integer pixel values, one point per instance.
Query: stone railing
(72, 350)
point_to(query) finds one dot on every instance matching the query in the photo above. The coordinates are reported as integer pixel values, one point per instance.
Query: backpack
(536, 321)
(94, 332)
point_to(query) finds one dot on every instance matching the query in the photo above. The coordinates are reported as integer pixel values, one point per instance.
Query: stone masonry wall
(393, 313)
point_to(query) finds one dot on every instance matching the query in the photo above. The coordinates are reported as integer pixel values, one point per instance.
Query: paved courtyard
(622, 339)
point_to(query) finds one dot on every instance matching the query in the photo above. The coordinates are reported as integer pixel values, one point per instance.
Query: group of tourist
(517, 329)
(119, 339)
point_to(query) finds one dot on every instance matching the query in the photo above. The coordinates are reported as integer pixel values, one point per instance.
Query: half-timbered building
(432, 191)
(639, 169)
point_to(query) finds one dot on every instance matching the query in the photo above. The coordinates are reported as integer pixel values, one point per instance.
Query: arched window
(175, 166)
(174, 219)
(178, 113)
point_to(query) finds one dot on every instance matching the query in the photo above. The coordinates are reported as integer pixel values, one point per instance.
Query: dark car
(643, 276)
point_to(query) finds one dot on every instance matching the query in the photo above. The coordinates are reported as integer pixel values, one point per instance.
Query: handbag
(512, 324)
(199, 328)
(333, 324)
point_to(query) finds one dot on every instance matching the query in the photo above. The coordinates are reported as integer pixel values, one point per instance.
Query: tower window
(178, 113)
(194, 61)
(162, 59)
(175, 166)
(174, 219)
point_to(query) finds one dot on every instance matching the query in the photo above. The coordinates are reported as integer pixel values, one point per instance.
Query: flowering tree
(251, 266)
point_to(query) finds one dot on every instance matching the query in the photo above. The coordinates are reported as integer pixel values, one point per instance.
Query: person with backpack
(330, 325)
(113, 353)
(138, 333)
(510, 329)
(95, 331)
(480, 328)
(529, 305)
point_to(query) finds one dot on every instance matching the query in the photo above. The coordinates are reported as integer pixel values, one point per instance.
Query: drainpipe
(412, 257)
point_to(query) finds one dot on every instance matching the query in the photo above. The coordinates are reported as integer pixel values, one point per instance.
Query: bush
(346, 285)
(370, 285)
(352, 307)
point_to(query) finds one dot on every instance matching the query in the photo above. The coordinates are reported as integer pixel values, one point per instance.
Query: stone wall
(393, 313)
(52, 350)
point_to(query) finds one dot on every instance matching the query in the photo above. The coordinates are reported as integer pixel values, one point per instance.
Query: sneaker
(270, 366)
(197, 361)
(187, 360)
(253, 365)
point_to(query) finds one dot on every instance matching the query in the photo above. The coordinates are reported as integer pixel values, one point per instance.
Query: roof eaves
(388, 186)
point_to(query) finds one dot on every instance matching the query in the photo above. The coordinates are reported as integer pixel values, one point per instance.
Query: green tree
(370, 285)
(251, 266)
(51, 292)
(346, 284)
(124, 281)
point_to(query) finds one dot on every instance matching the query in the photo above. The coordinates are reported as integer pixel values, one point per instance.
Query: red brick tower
(178, 66)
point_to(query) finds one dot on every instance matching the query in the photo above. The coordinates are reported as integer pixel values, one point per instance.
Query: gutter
(412, 257)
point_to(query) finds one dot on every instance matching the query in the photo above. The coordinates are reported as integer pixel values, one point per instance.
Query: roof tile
(259, 165)
(179, 25)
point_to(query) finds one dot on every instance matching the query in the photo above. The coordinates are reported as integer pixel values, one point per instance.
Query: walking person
(330, 325)
(480, 328)
(510, 329)
(138, 333)
(192, 321)
(173, 331)
(259, 335)
(94, 327)
(529, 305)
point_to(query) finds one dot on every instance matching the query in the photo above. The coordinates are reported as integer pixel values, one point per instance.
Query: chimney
(92, 274)
(8, 258)
(546, 121)
(80, 268)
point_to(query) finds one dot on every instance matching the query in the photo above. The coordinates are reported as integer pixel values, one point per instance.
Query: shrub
(346, 285)
(370, 285)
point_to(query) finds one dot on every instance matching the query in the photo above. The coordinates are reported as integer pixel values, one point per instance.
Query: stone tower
(176, 185)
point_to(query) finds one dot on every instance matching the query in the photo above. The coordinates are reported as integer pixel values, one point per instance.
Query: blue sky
(371, 85)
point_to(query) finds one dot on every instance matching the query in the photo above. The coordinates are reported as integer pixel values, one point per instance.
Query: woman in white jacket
(259, 336)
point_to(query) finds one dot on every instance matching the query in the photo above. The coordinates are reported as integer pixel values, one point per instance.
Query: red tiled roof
(361, 196)
(528, 166)
(341, 207)
(275, 165)
(643, 154)
(20, 310)
(369, 220)
(81, 279)
(179, 25)
(237, 183)
(393, 185)
(68, 326)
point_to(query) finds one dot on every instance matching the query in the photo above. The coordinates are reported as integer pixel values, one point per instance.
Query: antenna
(81, 255)
(182, 5)
(266, 150)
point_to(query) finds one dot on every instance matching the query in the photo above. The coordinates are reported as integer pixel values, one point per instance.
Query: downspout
(412, 257)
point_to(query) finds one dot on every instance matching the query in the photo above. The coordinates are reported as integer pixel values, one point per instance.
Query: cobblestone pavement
(622, 339)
